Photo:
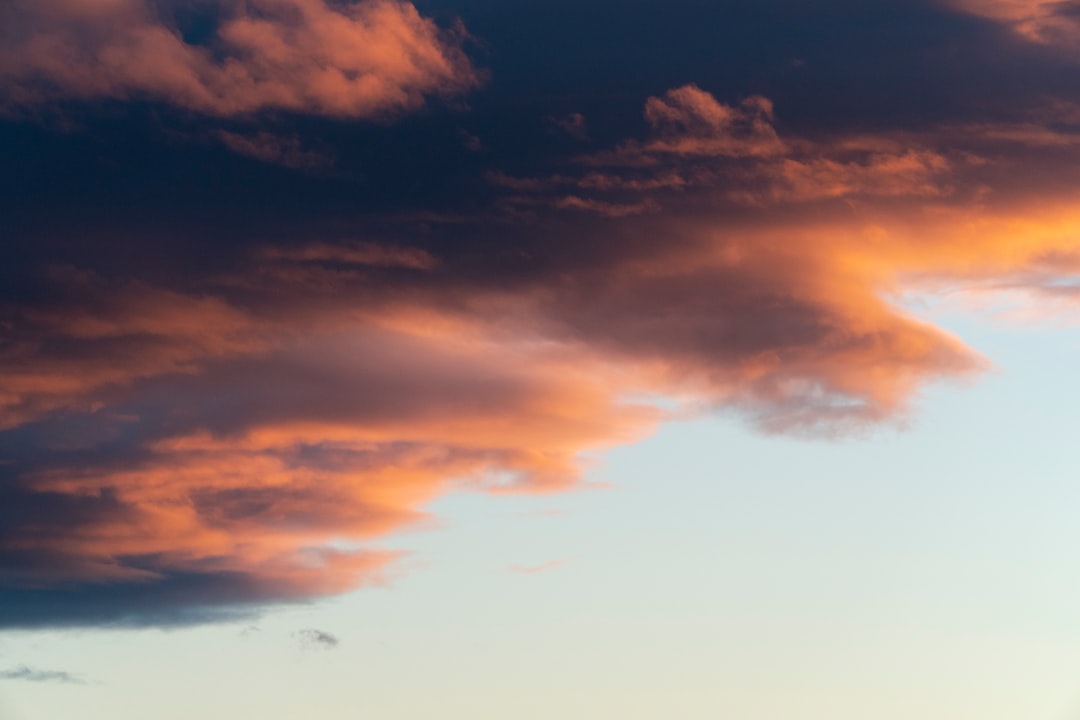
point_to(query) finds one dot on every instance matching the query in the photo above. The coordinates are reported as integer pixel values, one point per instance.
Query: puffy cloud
(700, 144)
(370, 58)
(690, 121)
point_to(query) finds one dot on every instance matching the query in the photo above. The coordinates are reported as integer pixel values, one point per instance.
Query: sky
(367, 358)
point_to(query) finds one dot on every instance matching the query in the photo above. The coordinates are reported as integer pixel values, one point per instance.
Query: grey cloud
(22, 672)
(311, 638)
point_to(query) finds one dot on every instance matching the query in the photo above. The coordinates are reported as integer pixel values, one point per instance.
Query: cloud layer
(225, 384)
(179, 454)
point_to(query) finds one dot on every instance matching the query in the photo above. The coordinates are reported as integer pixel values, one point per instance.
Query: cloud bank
(224, 393)
(188, 453)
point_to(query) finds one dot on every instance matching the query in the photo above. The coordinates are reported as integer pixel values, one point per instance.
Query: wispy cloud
(573, 125)
(22, 672)
(288, 151)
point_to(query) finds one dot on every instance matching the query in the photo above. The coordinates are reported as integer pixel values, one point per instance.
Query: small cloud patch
(311, 639)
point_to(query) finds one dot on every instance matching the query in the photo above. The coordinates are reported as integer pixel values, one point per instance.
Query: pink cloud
(1052, 22)
(699, 145)
(690, 121)
(371, 58)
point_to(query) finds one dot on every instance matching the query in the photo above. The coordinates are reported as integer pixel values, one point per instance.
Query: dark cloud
(573, 124)
(277, 150)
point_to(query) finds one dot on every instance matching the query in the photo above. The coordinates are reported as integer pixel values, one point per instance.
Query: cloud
(690, 121)
(277, 150)
(573, 125)
(616, 210)
(346, 254)
(186, 482)
(201, 442)
(366, 59)
(1052, 22)
(316, 639)
(910, 172)
(470, 141)
(590, 181)
(121, 331)
(22, 672)
(698, 143)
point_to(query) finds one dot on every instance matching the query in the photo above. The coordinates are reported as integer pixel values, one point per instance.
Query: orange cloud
(98, 335)
(690, 121)
(245, 473)
(370, 58)
(242, 437)
(700, 144)
(907, 173)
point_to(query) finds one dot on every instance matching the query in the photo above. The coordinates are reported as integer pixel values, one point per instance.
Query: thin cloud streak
(277, 150)
(22, 672)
